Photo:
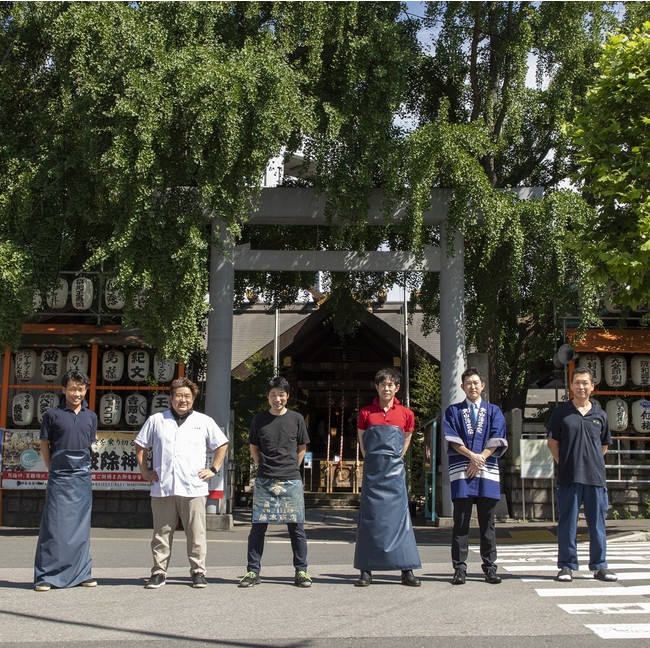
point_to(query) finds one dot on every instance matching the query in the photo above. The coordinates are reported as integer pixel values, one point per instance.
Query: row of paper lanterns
(614, 369)
(137, 365)
(81, 292)
(618, 415)
(111, 408)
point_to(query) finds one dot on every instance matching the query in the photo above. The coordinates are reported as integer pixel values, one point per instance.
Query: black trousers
(256, 545)
(485, 507)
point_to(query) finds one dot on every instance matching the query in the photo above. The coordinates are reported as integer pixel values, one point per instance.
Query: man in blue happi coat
(475, 436)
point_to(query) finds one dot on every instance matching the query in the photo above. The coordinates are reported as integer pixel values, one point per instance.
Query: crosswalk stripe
(605, 608)
(553, 568)
(621, 630)
(638, 590)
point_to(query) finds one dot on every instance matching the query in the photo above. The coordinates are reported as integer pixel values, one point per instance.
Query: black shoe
(492, 577)
(365, 579)
(157, 580)
(198, 580)
(408, 579)
(459, 577)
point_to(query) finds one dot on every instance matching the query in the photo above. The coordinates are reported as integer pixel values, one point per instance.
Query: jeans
(569, 499)
(256, 545)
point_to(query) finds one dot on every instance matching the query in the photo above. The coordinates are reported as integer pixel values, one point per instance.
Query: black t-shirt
(581, 441)
(278, 438)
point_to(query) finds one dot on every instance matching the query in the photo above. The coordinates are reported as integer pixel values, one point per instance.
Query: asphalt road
(524, 611)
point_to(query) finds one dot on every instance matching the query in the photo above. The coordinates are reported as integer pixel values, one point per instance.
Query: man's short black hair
(277, 383)
(471, 371)
(583, 370)
(388, 373)
(74, 375)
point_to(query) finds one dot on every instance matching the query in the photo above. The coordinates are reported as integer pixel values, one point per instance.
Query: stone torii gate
(302, 206)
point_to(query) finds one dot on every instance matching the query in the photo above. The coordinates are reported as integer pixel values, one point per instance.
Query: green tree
(481, 130)
(612, 134)
(128, 127)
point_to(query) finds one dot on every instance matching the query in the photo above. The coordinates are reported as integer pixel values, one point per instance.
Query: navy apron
(278, 501)
(63, 549)
(385, 538)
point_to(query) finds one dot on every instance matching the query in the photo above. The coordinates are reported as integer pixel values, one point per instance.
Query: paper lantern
(640, 370)
(114, 298)
(46, 401)
(163, 370)
(113, 365)
(617, 414)
(138, 365)
(51, 364)
(135, 410)
(25, 364)
(58, 297)
(641, 415)
(160, 403)
(110, 409)
(82, 293)
(77, 361)
(615, 370)
(22, 409)
(592, 362)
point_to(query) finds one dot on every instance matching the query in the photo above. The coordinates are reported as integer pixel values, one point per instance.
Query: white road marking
(621, 630)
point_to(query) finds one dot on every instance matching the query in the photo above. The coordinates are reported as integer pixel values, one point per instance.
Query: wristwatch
(213, 469)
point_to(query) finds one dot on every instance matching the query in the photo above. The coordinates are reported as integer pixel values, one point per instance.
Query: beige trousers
(166, 511)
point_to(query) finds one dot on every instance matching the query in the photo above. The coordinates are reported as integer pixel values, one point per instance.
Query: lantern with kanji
(160, 403)
(22, 409)
(82, 293)
(592, 362)
(110, 409)
(640, 370)
(135, 410)
(112, 296)
(25, 364)
(641, 415)
(51, 364)
(77, 360)
(58, 297)
(138, 365)
(615, 370)
(163, 370)
(113, 365)
(617, 414)
(46, 401)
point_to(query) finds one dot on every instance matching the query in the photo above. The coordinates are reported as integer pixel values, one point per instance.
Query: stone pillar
(217, 387)
(452, 340)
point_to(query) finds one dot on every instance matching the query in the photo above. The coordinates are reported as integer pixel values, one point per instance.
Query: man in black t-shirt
(278, 440)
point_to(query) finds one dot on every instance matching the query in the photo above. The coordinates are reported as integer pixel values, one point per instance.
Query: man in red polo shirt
(385, 538)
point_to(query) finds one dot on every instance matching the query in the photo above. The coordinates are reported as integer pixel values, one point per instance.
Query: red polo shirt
(397, 415)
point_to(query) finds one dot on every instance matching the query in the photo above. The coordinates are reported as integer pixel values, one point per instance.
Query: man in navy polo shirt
(67, 434)
(578, 438)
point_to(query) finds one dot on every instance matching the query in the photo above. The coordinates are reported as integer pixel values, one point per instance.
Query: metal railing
(622, 470)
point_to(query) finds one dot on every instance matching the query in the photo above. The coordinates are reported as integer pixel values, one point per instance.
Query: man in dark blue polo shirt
(67, 434)
(578, 438)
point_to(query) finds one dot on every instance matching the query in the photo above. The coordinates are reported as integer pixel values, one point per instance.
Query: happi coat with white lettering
(489, 432)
